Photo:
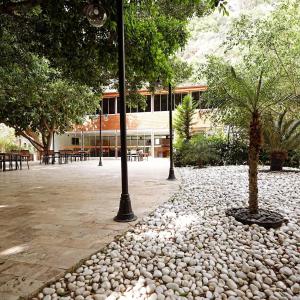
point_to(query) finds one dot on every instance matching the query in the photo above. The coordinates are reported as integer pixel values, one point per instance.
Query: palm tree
(247, 94)
(280, 136)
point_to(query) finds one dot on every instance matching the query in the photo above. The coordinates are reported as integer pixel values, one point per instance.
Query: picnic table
(13, 160)
(63, 156)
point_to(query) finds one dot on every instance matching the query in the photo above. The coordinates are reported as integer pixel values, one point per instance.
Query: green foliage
(7, 141)
(35, 99)
(183, 120)
(59, 30)
(198, 151)
(215, 150)
(281, 133)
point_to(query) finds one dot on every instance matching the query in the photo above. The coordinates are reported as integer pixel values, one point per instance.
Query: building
(147, 129)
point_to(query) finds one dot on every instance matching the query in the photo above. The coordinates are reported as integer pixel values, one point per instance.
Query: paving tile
(51, 217)
(20, 286)
(9, 296)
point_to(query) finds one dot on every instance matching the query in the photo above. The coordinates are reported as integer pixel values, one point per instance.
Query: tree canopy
(60, 31)
(35, 99)
(53, 60)
(264, 78)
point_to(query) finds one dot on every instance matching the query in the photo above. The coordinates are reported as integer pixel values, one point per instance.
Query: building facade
(147, 128)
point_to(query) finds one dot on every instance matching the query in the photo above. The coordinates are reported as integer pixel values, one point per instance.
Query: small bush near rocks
(213, 150)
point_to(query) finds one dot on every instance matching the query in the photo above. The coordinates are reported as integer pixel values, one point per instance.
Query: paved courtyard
(51, 217)
(189, 249)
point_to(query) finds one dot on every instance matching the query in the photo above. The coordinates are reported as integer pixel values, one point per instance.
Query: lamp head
(96, 14)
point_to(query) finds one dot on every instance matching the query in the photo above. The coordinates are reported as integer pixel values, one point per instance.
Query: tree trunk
(277, 159)
(254, 148)
(46, 139)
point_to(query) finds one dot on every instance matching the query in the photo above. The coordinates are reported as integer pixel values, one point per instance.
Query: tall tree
(60, 31)
(248, 93)
(183, 121)
(36, 101)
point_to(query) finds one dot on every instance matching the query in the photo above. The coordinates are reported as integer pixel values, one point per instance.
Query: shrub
(210, 150)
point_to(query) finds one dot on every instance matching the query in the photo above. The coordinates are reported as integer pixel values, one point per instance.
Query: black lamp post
(125, 213)
(170, 102)
(97, 17)
(53, 160)
(171, 170)
(100, 135)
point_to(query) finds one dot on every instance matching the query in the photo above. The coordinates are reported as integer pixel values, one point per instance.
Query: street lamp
(171, 170)
(125, 213)
(53, 160)
(100, 135)
(97, 17)
(158, 84)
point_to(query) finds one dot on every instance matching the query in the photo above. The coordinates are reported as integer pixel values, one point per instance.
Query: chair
(25, 155)
(134, 154)
(140, 155)
(45, 156)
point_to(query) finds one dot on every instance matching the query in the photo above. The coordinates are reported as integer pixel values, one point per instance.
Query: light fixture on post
(158, 84)
(53, 160)
(100, 136)
(125, 213)
(171, 170)
(97, 16)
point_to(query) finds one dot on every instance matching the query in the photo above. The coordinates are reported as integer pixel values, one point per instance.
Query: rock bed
(188, 249)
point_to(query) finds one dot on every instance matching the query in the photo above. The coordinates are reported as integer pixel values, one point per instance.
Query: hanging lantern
(96, 14)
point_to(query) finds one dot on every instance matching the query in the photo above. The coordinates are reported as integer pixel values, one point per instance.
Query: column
(152, 143)
(152, 102)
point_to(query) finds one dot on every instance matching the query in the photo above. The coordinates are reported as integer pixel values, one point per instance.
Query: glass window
(97, 110)
(118, 105)
(147, 140)
(173, 102)
(112, 141)
(111, 108)
(134, 109)
(164, 102)
(105, 106)
(177, 99)
(148, 104)
(196, 96)
(157, 103)
(75, 141)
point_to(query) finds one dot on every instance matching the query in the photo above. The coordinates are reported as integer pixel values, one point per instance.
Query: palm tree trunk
(254, 149)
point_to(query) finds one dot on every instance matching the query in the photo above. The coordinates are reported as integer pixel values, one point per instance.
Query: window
(196, 96)
(118, 105)
(157, 103)
(134, 109)
(75, 141)
(163, 102)
(173, 102)
(148, 104)
(105, 106)
(177, 99)
(111, 106)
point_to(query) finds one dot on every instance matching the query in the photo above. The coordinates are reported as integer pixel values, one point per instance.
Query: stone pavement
(53, 216)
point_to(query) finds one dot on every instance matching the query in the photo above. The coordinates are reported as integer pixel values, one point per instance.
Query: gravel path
(189, 249)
